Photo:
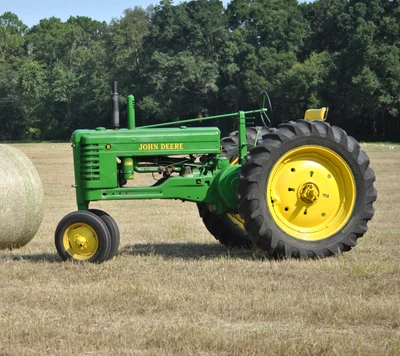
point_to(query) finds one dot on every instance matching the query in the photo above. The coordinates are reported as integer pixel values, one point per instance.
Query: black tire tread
(92, 220)
(230, 143)
(220, 226)
(224, 230)
(250, 206)
(112, 226)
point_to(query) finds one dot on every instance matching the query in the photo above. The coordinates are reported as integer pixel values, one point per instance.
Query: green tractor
(303, 189)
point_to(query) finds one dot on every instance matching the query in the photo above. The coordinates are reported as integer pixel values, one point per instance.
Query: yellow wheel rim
(237, 220)
(80, 241)
(311, 193)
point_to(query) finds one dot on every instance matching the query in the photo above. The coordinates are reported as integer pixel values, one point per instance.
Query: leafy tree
(183, 53)
(124, 39)
(324, 21)
(265, 39)
(33, 92)
(371, 68)
(197, 58)
(12, 119)
(126, 61)
(12, 30)
(306, 85)
(71, 56)
(363, 37)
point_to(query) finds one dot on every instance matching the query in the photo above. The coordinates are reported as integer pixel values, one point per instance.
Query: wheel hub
(309, 193)
(81, 241)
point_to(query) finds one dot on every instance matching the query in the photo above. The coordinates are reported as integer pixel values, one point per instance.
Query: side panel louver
(90, 163)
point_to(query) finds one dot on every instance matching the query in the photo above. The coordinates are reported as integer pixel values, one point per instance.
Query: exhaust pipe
(115, 104)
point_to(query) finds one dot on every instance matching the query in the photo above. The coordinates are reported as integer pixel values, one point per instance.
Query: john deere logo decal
(160, 146)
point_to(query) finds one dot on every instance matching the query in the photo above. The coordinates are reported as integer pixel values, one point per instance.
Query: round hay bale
(21, 198)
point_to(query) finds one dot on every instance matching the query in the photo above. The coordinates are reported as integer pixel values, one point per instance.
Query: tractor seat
(316, 114)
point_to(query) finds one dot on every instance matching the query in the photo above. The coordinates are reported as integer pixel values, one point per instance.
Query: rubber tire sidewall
(96, 223)
(262, 226)
(224, 229)
(230, 144)
(221, 226)
(112, 228)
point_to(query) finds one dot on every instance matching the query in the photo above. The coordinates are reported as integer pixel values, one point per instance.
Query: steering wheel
(266, 112)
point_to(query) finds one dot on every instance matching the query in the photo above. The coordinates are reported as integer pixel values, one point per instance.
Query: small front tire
(82, 236)
(112, 228)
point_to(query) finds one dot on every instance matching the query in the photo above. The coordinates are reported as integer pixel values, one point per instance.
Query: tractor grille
(90, 166)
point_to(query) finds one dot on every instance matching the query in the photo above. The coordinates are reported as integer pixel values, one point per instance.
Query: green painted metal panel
(154, 142)
(104, 159)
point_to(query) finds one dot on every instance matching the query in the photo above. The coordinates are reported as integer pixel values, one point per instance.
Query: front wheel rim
(80, 241)
(311, 193)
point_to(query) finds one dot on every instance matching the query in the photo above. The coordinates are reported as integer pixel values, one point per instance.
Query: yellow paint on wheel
(237, 220)
(80, 241)
(311, 193)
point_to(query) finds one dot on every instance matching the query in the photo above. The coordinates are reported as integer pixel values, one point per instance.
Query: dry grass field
(173, 290)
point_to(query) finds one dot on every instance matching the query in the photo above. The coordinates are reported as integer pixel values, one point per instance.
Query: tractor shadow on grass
(188, 251)
(185, 251)
(40, 257)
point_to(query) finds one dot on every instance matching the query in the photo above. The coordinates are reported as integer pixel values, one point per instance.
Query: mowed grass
(174, 290)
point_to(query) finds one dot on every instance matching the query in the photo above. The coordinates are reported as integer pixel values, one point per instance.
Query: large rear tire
(230, 144)
(228, 228)
(306, 191)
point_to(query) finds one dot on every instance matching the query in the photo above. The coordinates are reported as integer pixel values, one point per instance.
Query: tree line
(199, 58)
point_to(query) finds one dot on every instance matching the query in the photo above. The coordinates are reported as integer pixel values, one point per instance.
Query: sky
(30, 12)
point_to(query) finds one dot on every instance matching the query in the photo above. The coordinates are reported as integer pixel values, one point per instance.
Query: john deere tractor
(303, 189)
